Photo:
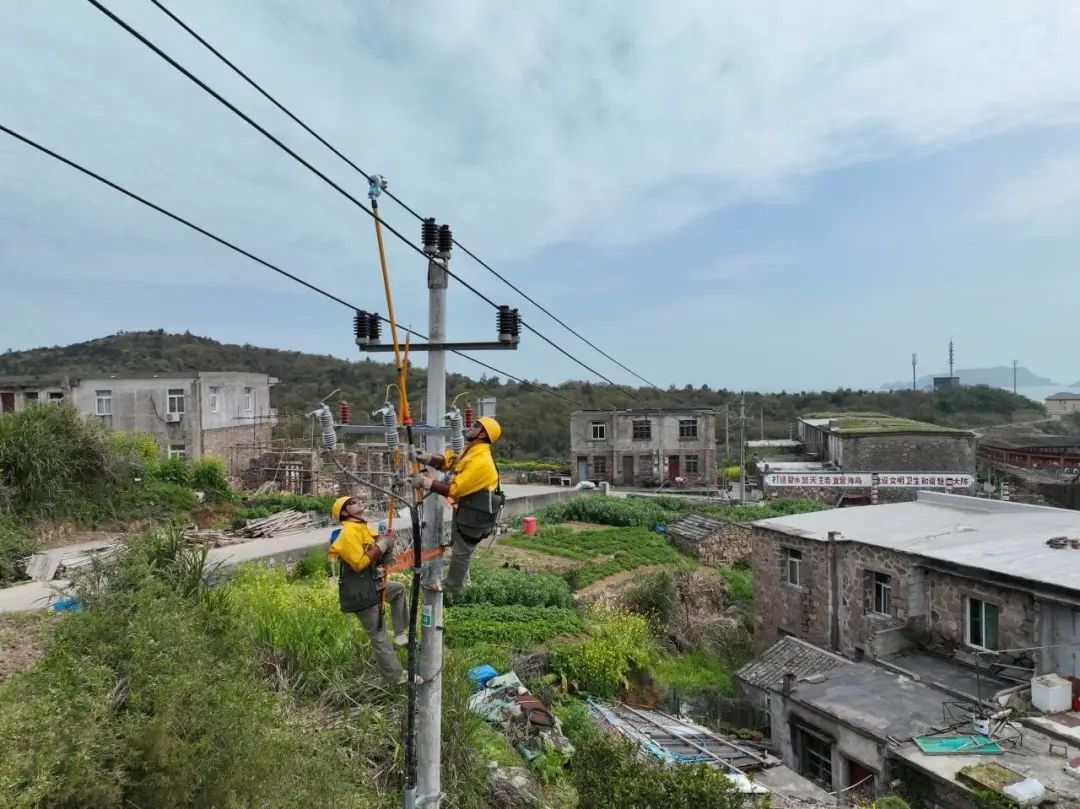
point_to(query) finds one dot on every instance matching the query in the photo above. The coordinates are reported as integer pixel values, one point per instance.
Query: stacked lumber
(208, 536)
(280, 523)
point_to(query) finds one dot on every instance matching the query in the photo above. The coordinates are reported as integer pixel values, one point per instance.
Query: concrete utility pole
(727, 419)
(1015, 362)
(952, 357)
(914, 363)
(429, 695)
(742, 447)
(762, 418)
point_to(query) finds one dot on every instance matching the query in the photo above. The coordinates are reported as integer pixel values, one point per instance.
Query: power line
(265, 133)
(203, 231)
(296, 119)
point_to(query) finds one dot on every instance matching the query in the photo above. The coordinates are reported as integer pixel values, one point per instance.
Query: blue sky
(787, 196)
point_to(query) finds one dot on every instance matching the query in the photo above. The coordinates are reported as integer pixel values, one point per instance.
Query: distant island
(1000, 376)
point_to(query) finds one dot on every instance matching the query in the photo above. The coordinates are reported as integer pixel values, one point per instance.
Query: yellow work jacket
(473, 472)
(352, 544)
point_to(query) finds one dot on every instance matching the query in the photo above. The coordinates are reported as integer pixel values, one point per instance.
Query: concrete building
(966, 580)
(873, 442)
(644, 447)
(1062, 404)
(190, 414)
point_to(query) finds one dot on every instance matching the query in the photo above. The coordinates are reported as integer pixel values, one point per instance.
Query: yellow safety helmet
(491, 427)
(339, 504)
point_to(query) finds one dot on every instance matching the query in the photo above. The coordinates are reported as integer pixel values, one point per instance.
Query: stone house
(710, 540)
(1062, 404)
(644, 447)
(976, 581)
(190, 414)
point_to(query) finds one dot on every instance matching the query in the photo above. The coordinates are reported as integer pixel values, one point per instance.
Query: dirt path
(615, 581)
(22, 640)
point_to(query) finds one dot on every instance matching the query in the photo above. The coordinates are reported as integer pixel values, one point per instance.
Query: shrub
(499, 586)
(313, 566)
(46, 451)
(514, 625)
(137, 450)
(170, 470)
(15, 545)
(618, 642)
(652, 597)
(740, 583)
(208, 476)
(606, 511)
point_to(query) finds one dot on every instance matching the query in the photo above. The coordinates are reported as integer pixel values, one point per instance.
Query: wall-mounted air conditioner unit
(172, 418)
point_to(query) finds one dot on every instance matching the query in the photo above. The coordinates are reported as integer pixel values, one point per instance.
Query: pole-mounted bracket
(413, 347)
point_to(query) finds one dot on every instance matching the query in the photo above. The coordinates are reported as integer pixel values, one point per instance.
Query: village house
(189, 414)
(884, 632)
(644, 447)
(1062, 404)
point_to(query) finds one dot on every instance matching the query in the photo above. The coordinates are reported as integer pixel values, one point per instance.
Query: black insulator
(509, 324)
(374, 327)
(446, 241)
(429, 235)
(360, 326)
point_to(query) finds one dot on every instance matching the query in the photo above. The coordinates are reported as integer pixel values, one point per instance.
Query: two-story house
(644, 447)
(190, 414)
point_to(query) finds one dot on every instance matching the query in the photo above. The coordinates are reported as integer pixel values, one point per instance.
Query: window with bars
(687, 428)
(103, 402)
(249, 399)
(814, 756)
(176, 400)
(599, 431)
(642, 430)
(882, 594)
(599, 466)
(177, 451)
(691, 464)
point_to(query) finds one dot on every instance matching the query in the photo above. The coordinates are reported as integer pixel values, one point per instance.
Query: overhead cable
(277, 142)
(224, 242)
(296, 119)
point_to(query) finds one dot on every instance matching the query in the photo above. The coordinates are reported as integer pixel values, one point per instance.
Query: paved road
(39, 595)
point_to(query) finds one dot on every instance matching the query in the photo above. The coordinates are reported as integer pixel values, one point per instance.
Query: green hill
(536, 423)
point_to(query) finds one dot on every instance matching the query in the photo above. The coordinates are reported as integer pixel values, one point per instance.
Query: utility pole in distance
(914, 363)
(742, 447)
(1015, 362)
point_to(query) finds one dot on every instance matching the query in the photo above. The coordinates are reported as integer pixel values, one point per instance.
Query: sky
(768, 196)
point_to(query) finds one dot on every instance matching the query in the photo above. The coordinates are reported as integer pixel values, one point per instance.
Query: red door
(7, 402)
(672, 467)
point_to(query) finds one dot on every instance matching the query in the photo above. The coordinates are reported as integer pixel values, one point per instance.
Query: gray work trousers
(385, 656)
(460, 559)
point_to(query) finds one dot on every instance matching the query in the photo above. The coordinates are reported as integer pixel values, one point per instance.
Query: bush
(46, 452)
(170, 470)
(490, 585)
(15, 545)
(618, 642)
(514, 625)
(313, 566)
(606, 511)
(652, 597)
(208, 476)
(740, 583)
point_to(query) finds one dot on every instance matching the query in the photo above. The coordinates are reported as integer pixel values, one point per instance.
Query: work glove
(420, 457)
(420, 481)
(385, 544)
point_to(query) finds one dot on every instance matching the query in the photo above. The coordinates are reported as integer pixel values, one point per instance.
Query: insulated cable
(337, 152)
(225, 243)
(281, 145)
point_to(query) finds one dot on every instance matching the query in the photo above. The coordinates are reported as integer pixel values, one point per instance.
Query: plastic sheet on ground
(527, 723)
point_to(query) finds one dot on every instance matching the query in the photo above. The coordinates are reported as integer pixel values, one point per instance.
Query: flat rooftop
(990, 535)
(861, 423)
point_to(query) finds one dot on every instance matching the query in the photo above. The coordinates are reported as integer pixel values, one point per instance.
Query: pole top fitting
(376, 185)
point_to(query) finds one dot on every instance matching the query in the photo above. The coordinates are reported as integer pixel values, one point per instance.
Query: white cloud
(522, 124)
(1048, 193)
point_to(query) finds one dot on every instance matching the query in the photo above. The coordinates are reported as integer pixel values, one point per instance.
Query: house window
(882, 594)
(794, 567)
(982, 624)
(691, 464)
(56, 396)
(176, 400)
(687, 428)
(642, 430)
(249, 399)
(103, 402)
(814, 755)
(177, 451)
(30, 396)
(599, 431)
(215, 394)
(599, 466)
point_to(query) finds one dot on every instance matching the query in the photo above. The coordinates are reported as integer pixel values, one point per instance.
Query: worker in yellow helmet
(360, 583)
(473, 486)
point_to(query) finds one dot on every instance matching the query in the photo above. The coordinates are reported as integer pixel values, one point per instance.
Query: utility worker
(473, 486)
(359, 584)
